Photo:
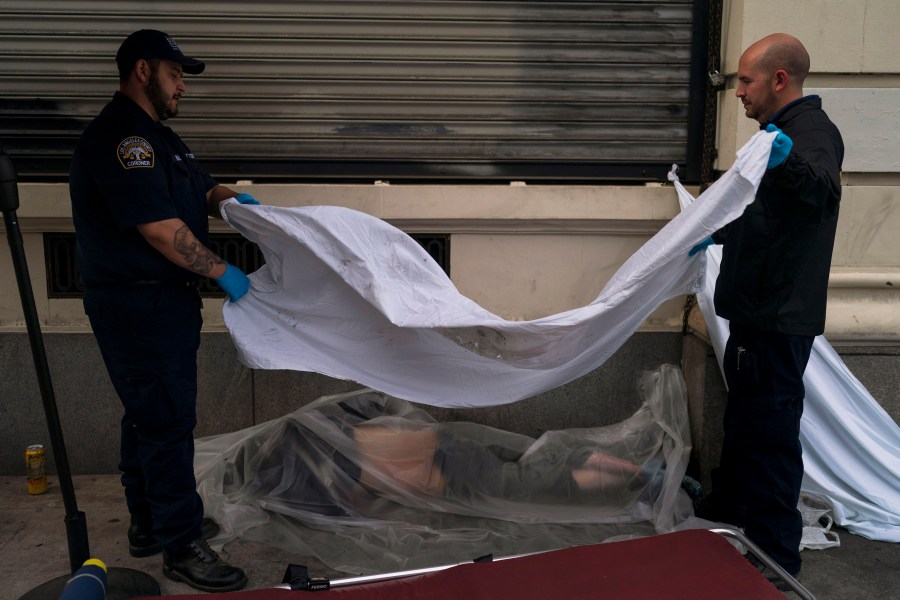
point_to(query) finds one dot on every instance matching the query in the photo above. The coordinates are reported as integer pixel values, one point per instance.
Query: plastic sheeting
(371, 483)
(851, 446)
(348, 295)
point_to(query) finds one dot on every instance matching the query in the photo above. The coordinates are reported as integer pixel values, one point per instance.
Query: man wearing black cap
(140, 203)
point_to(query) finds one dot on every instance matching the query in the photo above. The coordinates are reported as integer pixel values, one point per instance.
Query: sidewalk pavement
(33, 548)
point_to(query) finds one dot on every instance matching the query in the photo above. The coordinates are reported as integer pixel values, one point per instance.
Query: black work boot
(197, 565)
(141, 542)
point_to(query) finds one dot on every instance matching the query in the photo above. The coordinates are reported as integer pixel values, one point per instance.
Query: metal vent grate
(62, 270)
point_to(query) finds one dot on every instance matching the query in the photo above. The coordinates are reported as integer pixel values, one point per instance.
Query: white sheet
(851, 446)
(348, 295)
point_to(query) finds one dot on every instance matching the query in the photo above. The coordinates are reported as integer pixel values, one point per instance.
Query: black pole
(699, 82)
(76, 525)
(121, 583)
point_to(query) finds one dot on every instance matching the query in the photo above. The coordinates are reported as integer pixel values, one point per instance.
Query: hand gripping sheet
(851, 446)
(345, 294)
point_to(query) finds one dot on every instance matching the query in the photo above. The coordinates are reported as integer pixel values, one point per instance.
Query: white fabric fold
(348, 295)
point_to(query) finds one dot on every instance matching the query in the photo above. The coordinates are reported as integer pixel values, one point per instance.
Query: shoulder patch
(135, 152)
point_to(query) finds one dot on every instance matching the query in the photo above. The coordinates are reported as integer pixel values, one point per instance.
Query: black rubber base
(121, 584)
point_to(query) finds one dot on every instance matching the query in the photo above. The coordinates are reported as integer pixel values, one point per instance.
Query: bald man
(772, 288)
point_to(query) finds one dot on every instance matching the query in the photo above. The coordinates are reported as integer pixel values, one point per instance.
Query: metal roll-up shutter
(361, 90)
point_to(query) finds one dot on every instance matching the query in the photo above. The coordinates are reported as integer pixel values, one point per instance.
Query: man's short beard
(157, 98)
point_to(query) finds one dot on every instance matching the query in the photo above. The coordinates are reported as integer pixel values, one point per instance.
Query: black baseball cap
(149, 44)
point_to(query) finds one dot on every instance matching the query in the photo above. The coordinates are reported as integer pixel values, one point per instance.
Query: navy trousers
(149, 336)
(761, 468)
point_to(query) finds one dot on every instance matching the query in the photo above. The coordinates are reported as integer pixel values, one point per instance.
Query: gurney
(259, 485)
(695, 564)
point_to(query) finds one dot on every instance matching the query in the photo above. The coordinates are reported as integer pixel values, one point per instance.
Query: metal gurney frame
(694, 564)
(696, 537)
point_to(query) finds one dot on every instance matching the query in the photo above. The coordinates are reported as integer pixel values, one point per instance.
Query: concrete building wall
(231, 397)
(521, 251)
(525, 252)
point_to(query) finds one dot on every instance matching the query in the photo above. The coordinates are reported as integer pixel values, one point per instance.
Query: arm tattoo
(197, 256)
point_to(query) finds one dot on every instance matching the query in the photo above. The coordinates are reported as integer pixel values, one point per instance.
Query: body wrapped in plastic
(368, 483)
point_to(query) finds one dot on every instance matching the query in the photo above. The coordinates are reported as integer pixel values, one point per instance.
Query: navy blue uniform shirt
(127, 170)
(776, 256)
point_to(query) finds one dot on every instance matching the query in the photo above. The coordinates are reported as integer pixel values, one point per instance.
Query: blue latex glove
(246, 199)
(702, 246)
(233, 282)
(781, 147)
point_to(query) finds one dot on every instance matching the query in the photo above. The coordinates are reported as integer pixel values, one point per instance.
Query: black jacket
(777, 255)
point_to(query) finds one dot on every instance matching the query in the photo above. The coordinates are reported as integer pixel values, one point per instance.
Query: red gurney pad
(690, 565)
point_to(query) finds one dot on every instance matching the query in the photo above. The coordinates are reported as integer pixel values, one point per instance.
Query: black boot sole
(144, 551)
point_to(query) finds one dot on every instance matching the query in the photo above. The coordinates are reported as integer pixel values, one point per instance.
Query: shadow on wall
(40, 137)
